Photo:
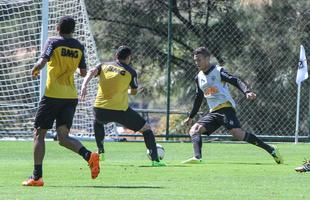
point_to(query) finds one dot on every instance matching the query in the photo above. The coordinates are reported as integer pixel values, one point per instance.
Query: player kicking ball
(211, 84)
(117, 79)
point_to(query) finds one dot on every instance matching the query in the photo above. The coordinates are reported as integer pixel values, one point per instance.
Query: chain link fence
(258, 41)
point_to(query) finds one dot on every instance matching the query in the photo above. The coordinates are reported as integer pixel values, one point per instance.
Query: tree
(259, 44)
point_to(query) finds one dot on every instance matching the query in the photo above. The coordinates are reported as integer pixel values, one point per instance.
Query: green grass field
(232, 171)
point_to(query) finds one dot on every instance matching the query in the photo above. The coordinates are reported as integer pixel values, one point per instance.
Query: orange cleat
(31, 182)
(93, 164)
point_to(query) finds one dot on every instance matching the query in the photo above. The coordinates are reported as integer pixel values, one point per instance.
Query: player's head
(123, 54)
(66, 25)
(202, 57)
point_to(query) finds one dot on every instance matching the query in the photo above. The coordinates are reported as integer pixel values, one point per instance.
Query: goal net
(20, 47)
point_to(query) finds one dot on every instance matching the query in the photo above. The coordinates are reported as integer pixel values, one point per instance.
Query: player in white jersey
(211, 83)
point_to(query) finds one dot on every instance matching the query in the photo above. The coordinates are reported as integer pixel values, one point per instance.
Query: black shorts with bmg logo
(51, 109)
(129, 118)
(224, 116)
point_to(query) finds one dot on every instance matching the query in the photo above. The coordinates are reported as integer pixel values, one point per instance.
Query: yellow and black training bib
(115, 79)
(64, 56)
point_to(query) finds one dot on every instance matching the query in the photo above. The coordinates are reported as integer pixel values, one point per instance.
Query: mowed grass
(232, 171)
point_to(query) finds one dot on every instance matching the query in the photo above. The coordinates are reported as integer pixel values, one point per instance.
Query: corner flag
(302, 73)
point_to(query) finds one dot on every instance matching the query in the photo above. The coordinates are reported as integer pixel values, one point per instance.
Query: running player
(63, 56)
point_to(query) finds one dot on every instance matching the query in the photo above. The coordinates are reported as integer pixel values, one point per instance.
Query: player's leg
(149, 140)
(195, 134)
(68, 142)
(38, 152)
(64, 121)
(253, 139)
(132, 120)
(76, 146)
(44, 120)
(102, 116)
(150, 143)
(38, 155)
(206, 125)
(231, 122)
(240, 134)
(99, 137)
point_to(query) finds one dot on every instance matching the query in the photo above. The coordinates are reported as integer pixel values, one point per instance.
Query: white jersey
(215, 90)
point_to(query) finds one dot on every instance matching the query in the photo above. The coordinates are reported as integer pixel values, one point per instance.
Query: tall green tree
(256, 40)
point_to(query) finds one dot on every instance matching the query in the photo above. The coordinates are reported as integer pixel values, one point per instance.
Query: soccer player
(211, 83)
(117, 79)
(304, 168)
(63, 56)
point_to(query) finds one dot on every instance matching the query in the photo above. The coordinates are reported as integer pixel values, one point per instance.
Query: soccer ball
(160, 151)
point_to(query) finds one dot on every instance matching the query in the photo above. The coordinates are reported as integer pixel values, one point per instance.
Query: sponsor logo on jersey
(211, 91)
(69, 53)
(112, 68)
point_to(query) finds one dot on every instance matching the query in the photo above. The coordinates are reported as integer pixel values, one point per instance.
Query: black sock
(99, 135)
(37, 172)
(197, 145)
(251, 138)
(84, 153)
(150, 144)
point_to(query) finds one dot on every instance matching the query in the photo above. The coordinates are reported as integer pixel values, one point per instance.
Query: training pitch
(231, 171)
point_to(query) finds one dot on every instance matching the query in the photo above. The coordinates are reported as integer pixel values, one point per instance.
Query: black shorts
(224, 116)
(129, 118)
(53, 108)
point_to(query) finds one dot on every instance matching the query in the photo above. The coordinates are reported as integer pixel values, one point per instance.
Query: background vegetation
(255, 40)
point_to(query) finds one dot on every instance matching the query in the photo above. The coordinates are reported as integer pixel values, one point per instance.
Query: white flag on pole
(302, 73)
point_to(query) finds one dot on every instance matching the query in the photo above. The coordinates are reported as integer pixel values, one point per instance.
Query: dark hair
(202, 50)
(66, 25)
(123, 52)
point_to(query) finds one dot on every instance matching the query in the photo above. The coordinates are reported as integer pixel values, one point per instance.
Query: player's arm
(132, 91)
(82, 66)
(35, 71)
(133, 85)
(196, 105)
(44, 58)
(82, 72)
(233, 80)
(91, 73)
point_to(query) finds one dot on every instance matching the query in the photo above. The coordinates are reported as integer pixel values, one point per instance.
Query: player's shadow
(169, 165)
(211, 163)
(239, 163)
(107, 186)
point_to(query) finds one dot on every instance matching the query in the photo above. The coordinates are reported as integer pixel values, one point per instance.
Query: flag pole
(297, 114)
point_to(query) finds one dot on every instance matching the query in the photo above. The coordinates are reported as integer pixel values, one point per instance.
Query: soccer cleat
(32, 182)
(93, 164)
(101, 157)
(158, 164)
(304, 168)
(193, 160)
(276, 155)
(101, 154)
